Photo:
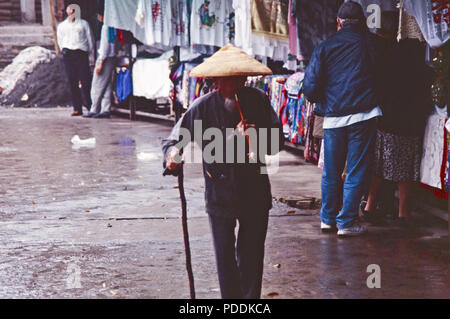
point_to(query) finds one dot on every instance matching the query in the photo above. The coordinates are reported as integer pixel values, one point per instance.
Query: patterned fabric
(447, 181)
(397, 158)
(433, 151)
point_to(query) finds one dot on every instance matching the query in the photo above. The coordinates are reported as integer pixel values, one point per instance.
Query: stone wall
(10, 11)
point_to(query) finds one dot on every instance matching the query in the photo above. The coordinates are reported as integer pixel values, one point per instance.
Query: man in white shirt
(77, 45)
(102, 83)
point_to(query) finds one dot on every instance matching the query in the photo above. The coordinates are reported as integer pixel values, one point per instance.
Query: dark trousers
(77, 69)
(351, 144)
(240, 263)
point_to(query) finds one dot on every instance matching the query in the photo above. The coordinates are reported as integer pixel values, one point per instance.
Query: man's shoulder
(256, 92)
(84, 22)
(203, 101)
(62, 24)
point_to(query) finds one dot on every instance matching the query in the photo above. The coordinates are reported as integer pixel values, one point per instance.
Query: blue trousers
(351, 144)
(240, 263)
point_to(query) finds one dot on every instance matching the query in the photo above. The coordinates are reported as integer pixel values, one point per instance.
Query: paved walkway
(106, 216)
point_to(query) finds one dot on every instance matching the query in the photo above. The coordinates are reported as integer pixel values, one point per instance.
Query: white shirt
(75, 35)
(208, 22)
(154, 17)
(343, 121)
(105, 49)
(243, 25)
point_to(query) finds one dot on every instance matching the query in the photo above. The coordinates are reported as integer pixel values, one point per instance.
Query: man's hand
(99, 67)
(243, 126)
(171, 163)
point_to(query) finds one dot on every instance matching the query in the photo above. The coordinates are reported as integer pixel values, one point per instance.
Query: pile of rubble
(35, 78)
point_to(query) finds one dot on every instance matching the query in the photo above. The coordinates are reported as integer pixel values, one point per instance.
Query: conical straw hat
(230, 61)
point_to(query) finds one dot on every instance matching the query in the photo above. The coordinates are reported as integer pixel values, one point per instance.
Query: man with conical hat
(237, 187)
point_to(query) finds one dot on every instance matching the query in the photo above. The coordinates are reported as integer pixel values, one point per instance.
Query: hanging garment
(433, 151)
(112, 35)
(121, 15)
(447, 180)
(158, 85)
(149, 21)
(242, 25)
(209, 22)
(124, 85)
(155, 18)
(433, 18)
(180, 23)
(293, 37)
(408, 27)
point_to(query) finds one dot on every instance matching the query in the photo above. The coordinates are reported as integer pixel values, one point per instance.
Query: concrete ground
(102, 222)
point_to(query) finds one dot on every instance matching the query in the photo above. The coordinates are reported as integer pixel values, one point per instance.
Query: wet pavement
(102, 222)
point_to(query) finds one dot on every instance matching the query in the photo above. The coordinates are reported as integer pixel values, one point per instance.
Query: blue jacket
(341, 77)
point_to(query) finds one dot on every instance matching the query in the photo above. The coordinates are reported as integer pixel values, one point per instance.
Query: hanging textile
(312, 144)
(408, 27)
(293, 37)
(180, 23)
(433, 18)
(161, 24)
(154, 17)
(243, 25)
(447, 170)
(121, 15)
(158, 85)
(209, 20)
(433, 151)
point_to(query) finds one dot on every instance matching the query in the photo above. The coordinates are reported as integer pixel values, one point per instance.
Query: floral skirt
(397, 158)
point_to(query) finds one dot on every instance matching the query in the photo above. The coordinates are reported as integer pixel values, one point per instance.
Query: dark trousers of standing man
(240, 263)
(77, 69)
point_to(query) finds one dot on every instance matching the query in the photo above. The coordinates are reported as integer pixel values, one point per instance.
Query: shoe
(105, 115)
(77, 113)
(355, 230)
(327, 228)
(89, 115)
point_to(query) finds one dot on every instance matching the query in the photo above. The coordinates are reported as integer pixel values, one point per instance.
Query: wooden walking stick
(187, 247)
(180, 175)
(251, 153)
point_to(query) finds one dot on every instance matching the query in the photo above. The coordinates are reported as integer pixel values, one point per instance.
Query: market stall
(282, 34)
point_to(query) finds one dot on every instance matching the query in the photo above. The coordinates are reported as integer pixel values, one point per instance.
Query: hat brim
(230, 61)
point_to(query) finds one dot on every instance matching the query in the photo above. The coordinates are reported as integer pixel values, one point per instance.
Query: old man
(235, 190)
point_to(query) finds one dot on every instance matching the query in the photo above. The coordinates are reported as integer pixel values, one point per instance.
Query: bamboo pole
(55, 34)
